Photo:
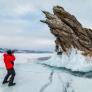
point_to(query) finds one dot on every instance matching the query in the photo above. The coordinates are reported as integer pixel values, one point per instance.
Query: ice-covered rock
(73, 60)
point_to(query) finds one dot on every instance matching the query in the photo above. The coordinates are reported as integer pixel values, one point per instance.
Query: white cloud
(16, 8)
(46, 4)
(14, 30)
(22, 9)
(25, 42)
(14, 27)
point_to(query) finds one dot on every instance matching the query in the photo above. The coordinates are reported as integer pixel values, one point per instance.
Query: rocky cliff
(68, 31)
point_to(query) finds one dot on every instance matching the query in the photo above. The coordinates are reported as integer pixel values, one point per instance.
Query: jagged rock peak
(68, 31)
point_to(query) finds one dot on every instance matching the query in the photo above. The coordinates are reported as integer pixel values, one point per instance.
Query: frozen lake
(33, 76)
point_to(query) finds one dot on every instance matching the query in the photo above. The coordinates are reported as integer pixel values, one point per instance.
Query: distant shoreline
(24, 51)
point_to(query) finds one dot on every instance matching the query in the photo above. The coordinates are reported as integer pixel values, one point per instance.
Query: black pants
(11, 74)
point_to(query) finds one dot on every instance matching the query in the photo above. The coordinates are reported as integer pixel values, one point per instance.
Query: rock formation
(68, 31)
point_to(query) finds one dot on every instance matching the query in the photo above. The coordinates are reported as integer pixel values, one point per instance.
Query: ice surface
(34, 77)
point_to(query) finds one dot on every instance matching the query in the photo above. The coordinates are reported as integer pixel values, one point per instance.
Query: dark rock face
(68, 31)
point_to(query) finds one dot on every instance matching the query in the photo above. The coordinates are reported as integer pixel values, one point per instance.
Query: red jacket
(9, 61)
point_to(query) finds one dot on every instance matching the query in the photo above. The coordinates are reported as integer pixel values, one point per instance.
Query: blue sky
(20, 25)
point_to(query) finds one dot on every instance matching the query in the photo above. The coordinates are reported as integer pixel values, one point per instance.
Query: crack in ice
(49, 83)
(66, 85)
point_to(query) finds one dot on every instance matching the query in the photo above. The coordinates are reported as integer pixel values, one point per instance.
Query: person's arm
(12, 59)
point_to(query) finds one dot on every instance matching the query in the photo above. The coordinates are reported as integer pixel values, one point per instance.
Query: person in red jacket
(9, 59)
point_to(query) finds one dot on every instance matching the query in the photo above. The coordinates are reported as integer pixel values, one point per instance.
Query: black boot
(4, 82)
(11, 84)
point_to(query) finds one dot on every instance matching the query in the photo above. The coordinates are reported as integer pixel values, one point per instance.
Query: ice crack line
(66, 85)
(49, 83)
